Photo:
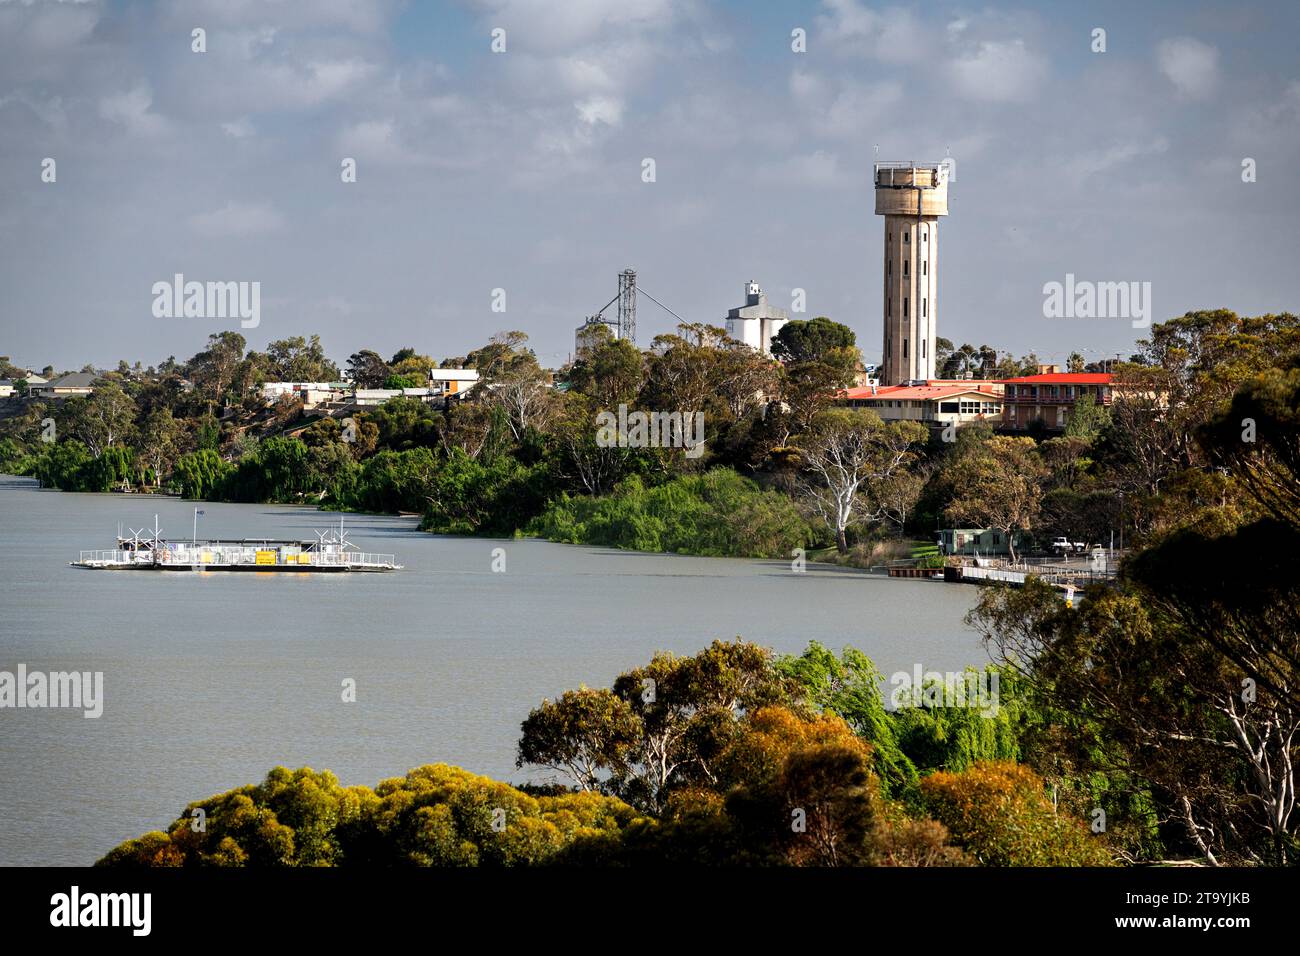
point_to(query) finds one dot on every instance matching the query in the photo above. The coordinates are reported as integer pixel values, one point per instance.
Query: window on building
(904, 343)
(925, 350)
(925, 267)
(948, 408)
(904, 306)
(925, 308)
(904, 267)
(889, 267)
(907, 237)
(889, 308)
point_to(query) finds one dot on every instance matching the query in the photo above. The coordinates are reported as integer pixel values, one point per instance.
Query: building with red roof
(936, 402)
(1050, 398)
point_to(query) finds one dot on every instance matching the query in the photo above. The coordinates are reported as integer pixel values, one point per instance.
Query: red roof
(1062, 378)
(920, 392)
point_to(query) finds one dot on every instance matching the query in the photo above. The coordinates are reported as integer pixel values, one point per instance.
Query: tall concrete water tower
(911, 197)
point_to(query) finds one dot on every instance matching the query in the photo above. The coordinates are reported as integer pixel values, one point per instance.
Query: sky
(522, 170)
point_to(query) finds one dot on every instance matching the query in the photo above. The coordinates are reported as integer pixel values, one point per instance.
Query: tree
(812, 340)
(200, 473)
(103, 419)
(688, 708)
(999, 487)
(999, 813)
(610, 373)
(296, 359)
(367, 370)
(587, 734)
(213, 371)
(160, 442)
(849, 687)
(847, 451)
(524, 391)
(1087, 419)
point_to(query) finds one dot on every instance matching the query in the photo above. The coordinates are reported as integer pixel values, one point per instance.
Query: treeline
(781, 466)
(736, 758)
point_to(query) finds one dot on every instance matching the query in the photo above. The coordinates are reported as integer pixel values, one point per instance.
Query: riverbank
(211, 679)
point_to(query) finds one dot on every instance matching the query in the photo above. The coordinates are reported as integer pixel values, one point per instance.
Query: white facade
(755, 323)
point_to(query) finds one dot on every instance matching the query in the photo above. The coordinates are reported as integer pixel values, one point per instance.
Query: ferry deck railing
(181, 555)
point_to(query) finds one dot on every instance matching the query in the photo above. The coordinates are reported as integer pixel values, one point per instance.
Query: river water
(210, 680)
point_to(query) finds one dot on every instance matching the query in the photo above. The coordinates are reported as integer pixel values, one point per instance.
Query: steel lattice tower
(627, 305)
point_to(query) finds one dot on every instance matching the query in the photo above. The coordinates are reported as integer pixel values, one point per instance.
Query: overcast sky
(522, 170)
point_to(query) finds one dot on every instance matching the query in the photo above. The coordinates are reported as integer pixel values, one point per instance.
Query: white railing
(183, 555)
(115, 557)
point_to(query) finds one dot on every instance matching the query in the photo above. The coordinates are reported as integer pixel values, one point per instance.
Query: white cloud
(374, 141)
(237, 219)
(818, 169)
(239, 129)
(1189, 64)
(998, 71)
(601, 109)
(1091, 162)
(892, 35)
(131, 109)
(535, 26)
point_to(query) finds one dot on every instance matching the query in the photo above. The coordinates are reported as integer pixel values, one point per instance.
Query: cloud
(237, 219)
(817, 169)
(601, 109)
(998, 71)
(892, 35)
(239, 129)
(1089, 163)
(1189, 64)
(538, 27)
(131, 109)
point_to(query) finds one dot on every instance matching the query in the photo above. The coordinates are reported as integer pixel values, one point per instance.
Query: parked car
(1063, 545)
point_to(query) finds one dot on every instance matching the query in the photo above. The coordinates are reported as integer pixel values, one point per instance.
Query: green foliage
(849, 686)
(62, 465)
(468, 496)
(938, 737)
(719, 513)
(199, 474)
(813, 340)
(277, 470)
(109, 470)
(1087, 419)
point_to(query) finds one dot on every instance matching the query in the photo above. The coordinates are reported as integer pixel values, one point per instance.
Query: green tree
(999, 486)
(201, 473)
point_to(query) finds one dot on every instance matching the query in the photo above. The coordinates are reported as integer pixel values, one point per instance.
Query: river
(210, 680)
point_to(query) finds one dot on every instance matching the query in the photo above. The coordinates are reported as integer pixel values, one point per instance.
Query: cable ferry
(148, 550)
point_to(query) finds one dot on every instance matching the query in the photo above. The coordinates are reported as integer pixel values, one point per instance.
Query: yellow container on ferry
(266, 557)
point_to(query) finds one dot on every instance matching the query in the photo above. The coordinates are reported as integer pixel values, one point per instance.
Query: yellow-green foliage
(434, 816)
(1000, 814)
